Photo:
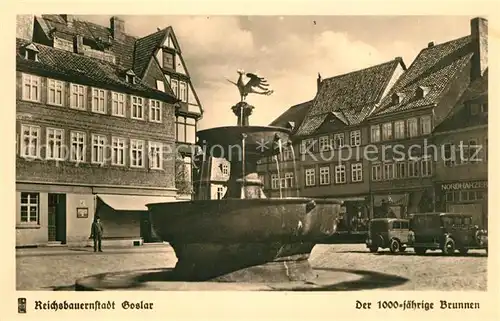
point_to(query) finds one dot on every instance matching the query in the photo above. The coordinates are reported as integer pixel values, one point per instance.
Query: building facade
(98, 128)
(330, 140)
(393, 141)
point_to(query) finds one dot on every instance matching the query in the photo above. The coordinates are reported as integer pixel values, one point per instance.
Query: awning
(131, 202)
(350, 199)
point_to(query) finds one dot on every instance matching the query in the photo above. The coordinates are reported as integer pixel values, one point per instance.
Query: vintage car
(389, 233)
(447, 232)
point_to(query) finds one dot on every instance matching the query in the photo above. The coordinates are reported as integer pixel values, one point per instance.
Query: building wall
(25, 26)
(44, 115)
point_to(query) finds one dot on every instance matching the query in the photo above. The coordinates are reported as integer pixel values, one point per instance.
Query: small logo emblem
(21, 305)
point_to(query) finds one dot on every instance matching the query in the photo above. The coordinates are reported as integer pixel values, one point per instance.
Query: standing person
(96, 233)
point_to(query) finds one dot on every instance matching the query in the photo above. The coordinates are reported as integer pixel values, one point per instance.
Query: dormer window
(397, 98)
(474, 109)
(31, 52)
(422, 91)
(130, 77)
(484, 108)
(291, 124)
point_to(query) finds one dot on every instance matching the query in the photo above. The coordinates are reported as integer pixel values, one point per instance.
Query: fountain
(244, 240)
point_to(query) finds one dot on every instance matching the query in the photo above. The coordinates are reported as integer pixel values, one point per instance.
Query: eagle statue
(255, 82)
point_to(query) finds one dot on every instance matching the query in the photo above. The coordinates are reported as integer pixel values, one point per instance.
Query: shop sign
(459, 186)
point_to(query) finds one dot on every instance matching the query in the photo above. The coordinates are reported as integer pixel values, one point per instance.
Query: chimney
(117, 28)
(430, 44)
(479, 38)
(79, 44)
(68, 19)
(24, 26)
(318, 82)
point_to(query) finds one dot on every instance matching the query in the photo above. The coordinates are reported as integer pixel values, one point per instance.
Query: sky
(289, 51)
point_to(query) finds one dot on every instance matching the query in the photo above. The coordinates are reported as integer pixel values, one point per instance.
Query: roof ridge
(364, 69)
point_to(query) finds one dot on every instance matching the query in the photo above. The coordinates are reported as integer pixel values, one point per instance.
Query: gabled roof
(435, 68)
(145, 48)
(460, 116)
(55, 25)
(350, 97)
(72, 67)
(294, 115)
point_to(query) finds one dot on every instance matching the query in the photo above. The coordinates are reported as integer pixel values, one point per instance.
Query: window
(426, 167)
(485, 149)
(118, 151)
(357, 172)
(355, 138)
(225, 169)
(220, 192)
(155, 111)
(98, 100)
(30, 144)
(400, 170)
(340, 174)
(55, 143)
(387, 131)
(474, 151)
(174, 84)
(183, 95)
(186, 130)
(168, 59)
(30, 207)
(98, 148)
(413, 168)
(274, 181)
(310, 177)
(307, 145)
(388, 171)
(118, 104)
(449, 155)
(288, 180)
(425, 125)
(324, 143)
(376, 172)
(324, 175)
(287, 153)
(55, 92)
(136, 153)
(412, 127)
(474, 109)
(78, 147)
(137, 111)
(399, 129)
(484, 108)
(338, 140)
(375, 133)
(31, 87)
(160, 85)
(155, 155)
(77, 100)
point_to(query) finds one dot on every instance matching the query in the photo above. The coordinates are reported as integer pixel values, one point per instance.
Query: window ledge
(27, 226)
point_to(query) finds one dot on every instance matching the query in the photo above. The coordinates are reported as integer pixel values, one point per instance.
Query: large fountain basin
(245, 220)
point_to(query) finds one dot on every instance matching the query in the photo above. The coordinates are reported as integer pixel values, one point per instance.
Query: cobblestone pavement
(45, 269)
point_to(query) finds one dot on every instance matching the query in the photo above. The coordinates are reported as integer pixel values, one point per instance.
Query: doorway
(57, 218)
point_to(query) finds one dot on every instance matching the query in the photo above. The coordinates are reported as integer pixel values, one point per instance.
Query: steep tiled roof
(434, 68)
(460, 116)
(122, 49)
(350, 97)
(293, 114)
(145, 48)
(65, 65)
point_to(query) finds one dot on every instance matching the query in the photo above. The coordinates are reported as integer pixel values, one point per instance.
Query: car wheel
(420, 250)
(449, 246)
(373, 249)
(395, 246)
(463, 251)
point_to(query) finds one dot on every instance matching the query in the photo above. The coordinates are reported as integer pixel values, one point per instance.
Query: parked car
(389, 233)
(447, 232)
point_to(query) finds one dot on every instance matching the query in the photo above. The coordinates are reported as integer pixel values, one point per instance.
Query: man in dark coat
(96, 233)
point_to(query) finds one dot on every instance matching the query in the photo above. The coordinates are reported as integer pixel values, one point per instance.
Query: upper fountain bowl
(259, 141)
